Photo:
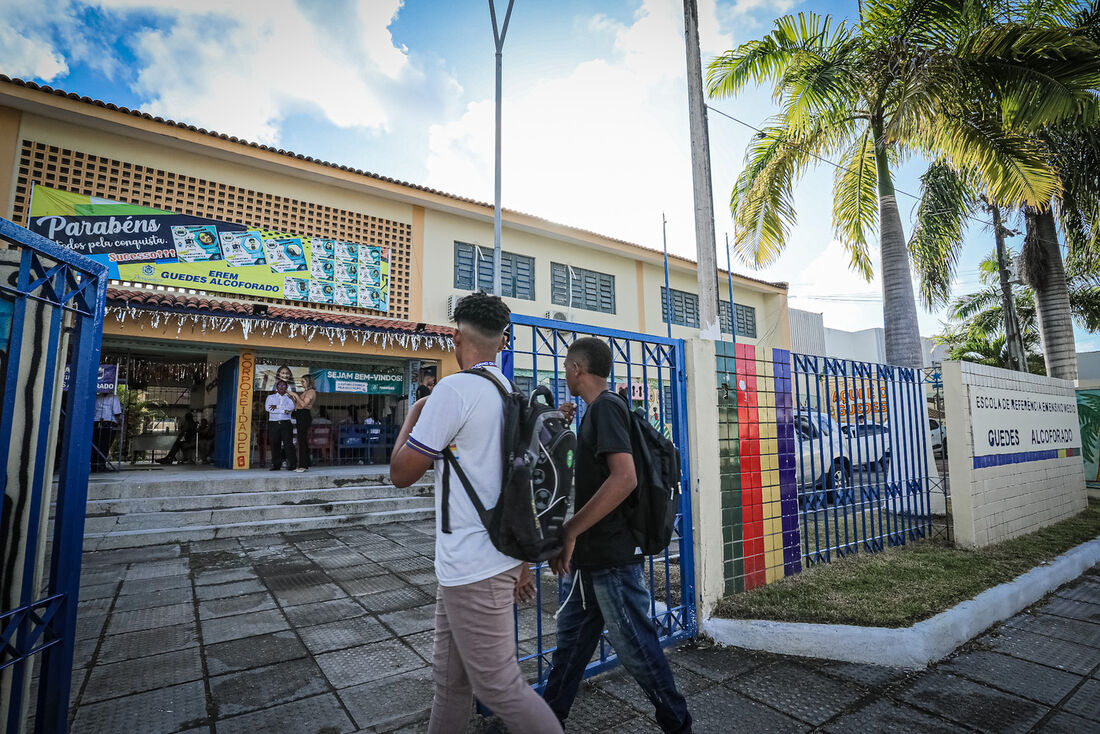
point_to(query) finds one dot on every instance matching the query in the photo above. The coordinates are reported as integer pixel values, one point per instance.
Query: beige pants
(475, 655)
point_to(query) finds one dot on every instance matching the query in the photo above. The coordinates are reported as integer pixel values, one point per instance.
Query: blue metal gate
(652, 369)
(862, 456)
(53, 306)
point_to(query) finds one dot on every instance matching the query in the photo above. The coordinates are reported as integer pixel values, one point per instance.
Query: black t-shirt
(604, 430)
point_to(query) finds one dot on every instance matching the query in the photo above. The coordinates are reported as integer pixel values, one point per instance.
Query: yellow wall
(638, 282)
(189, 162)
(437, 221)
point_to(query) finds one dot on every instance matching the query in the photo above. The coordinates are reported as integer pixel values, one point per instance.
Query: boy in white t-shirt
(475, 649)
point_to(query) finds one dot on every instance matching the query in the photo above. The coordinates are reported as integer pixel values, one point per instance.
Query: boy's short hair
(593, 353)
(487, 314)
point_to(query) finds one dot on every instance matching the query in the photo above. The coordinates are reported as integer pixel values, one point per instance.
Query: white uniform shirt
(107, 408)
(283, 405)
(464, 412)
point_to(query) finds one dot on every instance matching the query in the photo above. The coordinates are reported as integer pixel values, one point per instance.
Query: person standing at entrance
(108, 415)
(303, 419)
(600, 555)
(279, 406)
(475, 648)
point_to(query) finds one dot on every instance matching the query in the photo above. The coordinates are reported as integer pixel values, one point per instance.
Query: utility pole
(498, 39)
(1013, 338)
(705, 248)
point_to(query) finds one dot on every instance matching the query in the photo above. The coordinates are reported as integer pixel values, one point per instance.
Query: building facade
(180, 349)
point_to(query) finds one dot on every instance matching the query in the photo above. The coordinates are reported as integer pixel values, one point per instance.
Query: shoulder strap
(449, 463)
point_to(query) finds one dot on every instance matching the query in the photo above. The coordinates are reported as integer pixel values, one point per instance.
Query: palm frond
(768, 59)
(913, 22)
(762, 201)
(1038, 76)
(855, 200)
(1010, 166)
(947, 199)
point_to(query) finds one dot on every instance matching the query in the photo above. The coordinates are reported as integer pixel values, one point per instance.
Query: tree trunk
(1047, 277)
(899, 306)
(1013, 339)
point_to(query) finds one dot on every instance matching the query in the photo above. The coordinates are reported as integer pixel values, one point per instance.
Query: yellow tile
(769, 369)
(768, 399)
(770, 575)
(767, 430)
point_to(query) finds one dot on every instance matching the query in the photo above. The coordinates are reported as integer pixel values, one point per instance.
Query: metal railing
(55, 303)
(652, 370)
(863, 459)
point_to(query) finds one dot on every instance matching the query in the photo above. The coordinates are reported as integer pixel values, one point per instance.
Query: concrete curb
(910, 647)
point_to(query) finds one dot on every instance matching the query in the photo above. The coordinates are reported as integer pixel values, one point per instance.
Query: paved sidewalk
(329, 632)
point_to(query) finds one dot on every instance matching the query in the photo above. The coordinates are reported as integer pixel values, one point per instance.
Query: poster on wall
(267, 375)
(1088, 413)
(147, 245)
(373, 381)
(1010, 426)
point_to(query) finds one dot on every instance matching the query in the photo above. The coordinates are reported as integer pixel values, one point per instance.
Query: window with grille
(685, 308)
(579, 288)
(474, 264)
(745, 317)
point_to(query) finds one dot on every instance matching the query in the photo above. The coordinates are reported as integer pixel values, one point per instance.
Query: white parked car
(937, 437)
(867, 444)
(820, 462)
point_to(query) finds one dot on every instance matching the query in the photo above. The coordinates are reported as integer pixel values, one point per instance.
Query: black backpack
(536, 486)
(652, 507)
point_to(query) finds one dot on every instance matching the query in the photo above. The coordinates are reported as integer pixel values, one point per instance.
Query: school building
(354, 282)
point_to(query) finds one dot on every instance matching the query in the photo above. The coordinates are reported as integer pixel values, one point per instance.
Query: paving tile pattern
(331, 631)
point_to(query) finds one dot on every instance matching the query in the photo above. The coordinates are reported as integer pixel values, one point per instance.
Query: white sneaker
(300, 469)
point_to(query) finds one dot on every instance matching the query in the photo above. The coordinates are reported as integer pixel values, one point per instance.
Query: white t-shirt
(464, 412)
(283, 405)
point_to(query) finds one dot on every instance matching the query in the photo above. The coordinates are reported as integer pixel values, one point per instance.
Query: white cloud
(828, 285)
(604, 147)
(29, 57)
(241, 74)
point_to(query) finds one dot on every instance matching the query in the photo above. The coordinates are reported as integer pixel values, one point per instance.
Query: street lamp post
(498, 39)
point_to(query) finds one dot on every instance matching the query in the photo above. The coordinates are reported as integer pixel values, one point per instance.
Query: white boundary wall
(1014, 452)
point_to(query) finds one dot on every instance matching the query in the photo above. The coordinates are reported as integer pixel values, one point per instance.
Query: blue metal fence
(863, 459)
(652, 369)
(56, 303)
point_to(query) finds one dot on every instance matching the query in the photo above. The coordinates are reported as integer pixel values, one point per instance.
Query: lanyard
(480, 365)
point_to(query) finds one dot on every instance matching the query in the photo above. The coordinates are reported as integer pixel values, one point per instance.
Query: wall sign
(106, 380)
(1011, 426)
(377, 381)
(147, 245)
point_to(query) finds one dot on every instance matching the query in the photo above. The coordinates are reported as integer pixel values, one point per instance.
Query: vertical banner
(242, 432)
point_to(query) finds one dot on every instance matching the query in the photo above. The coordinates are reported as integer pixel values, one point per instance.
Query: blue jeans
(618, 598)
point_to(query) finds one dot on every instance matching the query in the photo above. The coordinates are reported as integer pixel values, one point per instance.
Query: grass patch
(903, 585)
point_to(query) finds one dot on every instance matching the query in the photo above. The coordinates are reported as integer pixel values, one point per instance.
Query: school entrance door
(651, 369)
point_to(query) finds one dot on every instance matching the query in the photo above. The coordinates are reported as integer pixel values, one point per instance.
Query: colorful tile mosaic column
(756, 441)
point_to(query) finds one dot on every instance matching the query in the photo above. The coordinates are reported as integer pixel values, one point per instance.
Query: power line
(829, 162)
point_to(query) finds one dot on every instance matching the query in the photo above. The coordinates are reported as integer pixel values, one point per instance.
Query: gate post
(706, 501)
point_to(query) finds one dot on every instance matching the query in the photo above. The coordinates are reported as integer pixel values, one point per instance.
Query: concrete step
(229, 515)
(169, 482)
(214, 501)
(158, 536)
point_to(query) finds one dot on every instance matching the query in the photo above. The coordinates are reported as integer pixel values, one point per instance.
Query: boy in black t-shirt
(606, 586)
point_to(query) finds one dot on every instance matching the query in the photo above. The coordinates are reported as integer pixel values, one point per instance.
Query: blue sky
(595, 114)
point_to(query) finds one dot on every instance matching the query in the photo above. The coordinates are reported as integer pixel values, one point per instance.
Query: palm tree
(1071, 149)
(900, 82)
(978, 333)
